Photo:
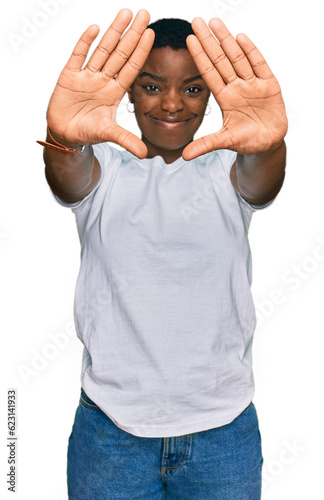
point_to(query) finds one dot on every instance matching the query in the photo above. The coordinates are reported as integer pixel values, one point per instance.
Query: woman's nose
(172, 101)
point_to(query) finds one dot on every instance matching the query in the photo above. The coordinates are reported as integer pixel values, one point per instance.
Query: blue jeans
(105, 462)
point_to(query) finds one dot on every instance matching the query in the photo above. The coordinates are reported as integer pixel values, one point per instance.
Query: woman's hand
(249, 96)
(83, 106)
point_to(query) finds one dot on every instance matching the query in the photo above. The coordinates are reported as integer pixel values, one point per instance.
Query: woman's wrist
(56, 143)
(55, 138)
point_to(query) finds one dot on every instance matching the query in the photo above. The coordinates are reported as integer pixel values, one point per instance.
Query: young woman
(163, 303)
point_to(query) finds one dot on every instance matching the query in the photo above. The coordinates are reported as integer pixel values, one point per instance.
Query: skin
(170, 99)
(83, 106)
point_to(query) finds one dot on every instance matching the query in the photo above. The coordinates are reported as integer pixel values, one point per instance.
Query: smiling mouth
(170, 123)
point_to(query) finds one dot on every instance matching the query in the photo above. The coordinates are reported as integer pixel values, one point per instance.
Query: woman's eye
(151, 88)
(193, 90)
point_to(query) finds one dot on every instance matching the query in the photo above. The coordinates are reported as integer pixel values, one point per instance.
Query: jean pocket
(87, 402)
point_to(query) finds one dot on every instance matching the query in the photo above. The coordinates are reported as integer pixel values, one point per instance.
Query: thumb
(203, 145)
(128, 141)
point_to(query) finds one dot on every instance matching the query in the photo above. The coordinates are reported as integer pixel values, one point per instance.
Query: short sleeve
(255, 207)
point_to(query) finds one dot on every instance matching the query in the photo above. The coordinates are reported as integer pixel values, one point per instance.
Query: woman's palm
(249, 96)
(83, 106)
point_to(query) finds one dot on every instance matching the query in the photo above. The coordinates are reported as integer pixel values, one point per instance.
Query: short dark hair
(171, 32)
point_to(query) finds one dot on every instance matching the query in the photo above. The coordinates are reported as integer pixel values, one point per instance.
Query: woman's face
(170, 99)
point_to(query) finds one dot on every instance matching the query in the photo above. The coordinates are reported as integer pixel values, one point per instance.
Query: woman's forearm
(258, 178)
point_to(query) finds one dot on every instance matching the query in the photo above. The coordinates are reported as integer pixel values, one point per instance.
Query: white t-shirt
(163, 303)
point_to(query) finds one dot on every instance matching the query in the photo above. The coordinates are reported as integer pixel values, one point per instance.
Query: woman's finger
(127, 44)
(206, 144)
(205, 66)
(81, 49)
(213, 50)
(109, 41)
(232, 49)
(257, 61)
(127, 140)
(134, 64)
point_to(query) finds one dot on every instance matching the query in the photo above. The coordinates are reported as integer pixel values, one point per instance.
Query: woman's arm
(258, 178)
(83, 107)
(254, 116)
(71, 177)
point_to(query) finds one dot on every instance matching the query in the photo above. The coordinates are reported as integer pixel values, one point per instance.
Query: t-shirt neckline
(159, 161)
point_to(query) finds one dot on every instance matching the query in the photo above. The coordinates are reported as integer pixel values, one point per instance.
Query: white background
(39, 247)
